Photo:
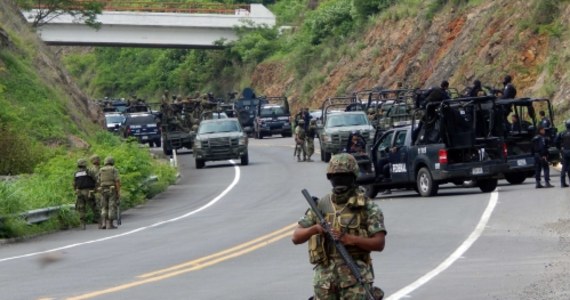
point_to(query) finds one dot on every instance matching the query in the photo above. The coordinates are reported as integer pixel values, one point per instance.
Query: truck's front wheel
(426, 186)
(200, 164)
(166, 149)
(245, 159)
(515, 178)
(487, 185)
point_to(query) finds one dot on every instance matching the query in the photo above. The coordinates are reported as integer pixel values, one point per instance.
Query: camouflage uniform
(94, 201)
(300, 139)
(109, 182)
(311, 133)
(351, 212)
(83, 184)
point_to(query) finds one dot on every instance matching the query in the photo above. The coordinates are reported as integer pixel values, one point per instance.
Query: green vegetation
(38, 122)
(51, 183)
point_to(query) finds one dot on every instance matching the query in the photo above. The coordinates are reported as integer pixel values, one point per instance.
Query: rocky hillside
(460, 41)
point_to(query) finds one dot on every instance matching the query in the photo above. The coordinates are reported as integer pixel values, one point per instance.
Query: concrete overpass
(174, 29)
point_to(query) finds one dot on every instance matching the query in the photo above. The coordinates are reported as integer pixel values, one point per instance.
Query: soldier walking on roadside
(94, 201)
(563, 143)
(300, 137)
(540, 152)
(356, 222)
(311, 134)
(110, 185)
(84, 185)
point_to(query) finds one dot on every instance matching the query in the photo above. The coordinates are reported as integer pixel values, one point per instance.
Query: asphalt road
(223, 232)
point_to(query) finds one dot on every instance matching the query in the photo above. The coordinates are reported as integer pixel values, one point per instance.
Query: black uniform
(563, 143)
(509, 92)
(540, 152)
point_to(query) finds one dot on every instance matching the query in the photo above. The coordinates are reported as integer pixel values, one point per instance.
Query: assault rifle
(338, 245)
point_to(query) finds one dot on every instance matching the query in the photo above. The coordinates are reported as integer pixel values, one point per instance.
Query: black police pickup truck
(273, 118)
(143, 127)
(452, 143)
(520, 125)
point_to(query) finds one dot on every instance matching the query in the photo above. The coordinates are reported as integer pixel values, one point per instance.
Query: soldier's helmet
(370, 110)
(567, 124)
(343, 163)
(109, 160)
(82, 163)
(95, 159)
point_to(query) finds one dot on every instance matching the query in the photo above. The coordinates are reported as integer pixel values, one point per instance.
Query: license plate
(477, 171)
(521, 162)
(145, 137)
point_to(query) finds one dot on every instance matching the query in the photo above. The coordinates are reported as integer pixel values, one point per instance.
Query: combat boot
(109, 224)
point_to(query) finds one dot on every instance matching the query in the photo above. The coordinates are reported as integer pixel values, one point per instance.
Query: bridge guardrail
(168, 7)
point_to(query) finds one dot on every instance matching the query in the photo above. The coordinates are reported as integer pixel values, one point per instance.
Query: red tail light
(442, 156)
(128, 130)
(505, 150)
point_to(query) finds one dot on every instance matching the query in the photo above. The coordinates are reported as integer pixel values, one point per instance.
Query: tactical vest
(565, 140)
(107, 176)
(83, 180)
(351, 218)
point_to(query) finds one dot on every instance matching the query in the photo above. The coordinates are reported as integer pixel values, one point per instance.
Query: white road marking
(186, 215)
(458, 253)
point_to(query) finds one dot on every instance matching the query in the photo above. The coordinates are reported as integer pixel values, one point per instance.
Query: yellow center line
(221, 253)
(196, 264)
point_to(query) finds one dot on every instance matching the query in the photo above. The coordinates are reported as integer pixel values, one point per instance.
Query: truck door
(380, 154)
(398, 156)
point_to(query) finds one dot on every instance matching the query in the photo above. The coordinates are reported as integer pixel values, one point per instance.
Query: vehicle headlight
(242, 141)
(198, 144)
(325, 137)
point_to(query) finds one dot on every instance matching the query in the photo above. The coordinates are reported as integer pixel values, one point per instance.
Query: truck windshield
(342, 120)
(270, 111)
(213, 127)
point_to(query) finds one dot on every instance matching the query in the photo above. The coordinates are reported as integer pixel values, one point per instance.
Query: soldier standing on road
(563, 143)
(94, 202)
(311, 134)
(357, 222)
(300, 139)
(110, 185)
(540, 152)
(83, 184)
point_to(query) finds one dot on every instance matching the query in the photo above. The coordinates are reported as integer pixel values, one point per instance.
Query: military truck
(246, 108)
(454, 142)
(176, 124)
(220, 139)
(273, 117)
(341, 116)
(519, 132)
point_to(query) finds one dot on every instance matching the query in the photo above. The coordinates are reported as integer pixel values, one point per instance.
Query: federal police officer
(540, 152)
(563, 143)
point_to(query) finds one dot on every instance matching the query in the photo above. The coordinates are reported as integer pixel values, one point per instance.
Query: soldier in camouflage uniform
(94, 201)
(356, 221)
(84, 185)
(311, 133)
(110, 187)
(300, 139)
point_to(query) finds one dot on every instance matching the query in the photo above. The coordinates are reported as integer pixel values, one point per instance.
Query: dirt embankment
(460, 45)
(13, 26)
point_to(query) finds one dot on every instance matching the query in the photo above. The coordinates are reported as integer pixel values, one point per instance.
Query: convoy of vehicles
(405, 146)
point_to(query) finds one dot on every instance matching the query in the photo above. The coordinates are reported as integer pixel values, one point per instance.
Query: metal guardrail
(43, 214)
(40, 215)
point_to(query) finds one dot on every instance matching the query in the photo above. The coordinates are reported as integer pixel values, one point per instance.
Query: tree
(47, 10)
